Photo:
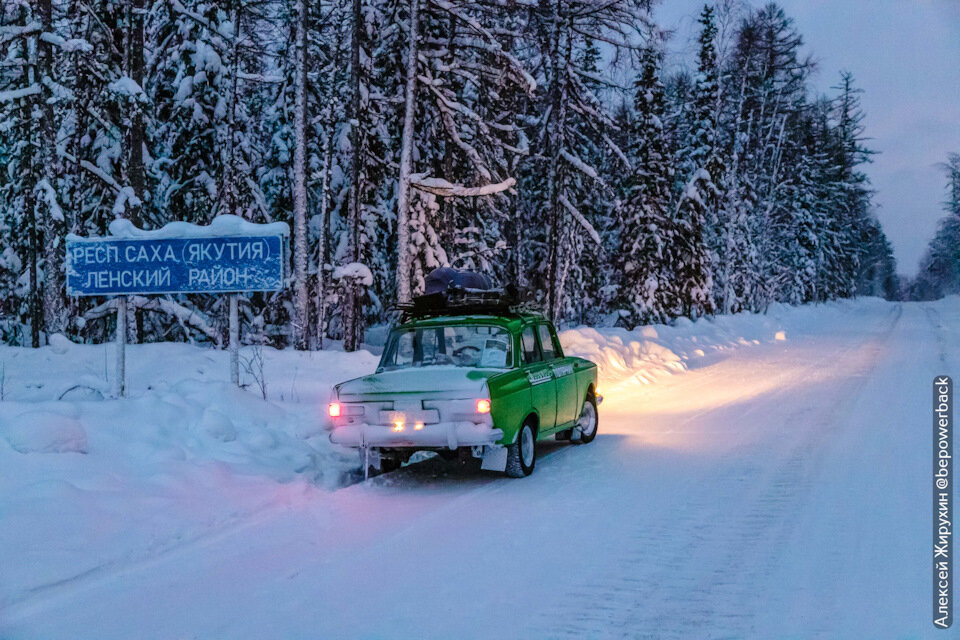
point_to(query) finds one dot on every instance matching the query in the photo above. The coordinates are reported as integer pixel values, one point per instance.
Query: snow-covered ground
(754, 476)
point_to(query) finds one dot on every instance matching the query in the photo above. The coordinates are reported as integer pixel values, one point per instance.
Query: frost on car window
(458, 345)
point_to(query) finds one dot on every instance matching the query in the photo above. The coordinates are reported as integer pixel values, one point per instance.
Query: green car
(476, 384)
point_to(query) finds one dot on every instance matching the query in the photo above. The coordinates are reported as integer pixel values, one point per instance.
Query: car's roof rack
(458, 292)
(457, 301)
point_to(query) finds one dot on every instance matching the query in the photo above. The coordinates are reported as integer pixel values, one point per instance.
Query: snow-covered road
(778, 490)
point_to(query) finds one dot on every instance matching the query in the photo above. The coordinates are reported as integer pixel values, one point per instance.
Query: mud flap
(494, 458)
(369, 457)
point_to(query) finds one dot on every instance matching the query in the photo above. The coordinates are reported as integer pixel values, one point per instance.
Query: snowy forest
(545, 143)
(940, 266)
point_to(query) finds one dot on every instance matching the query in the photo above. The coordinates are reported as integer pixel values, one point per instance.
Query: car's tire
(589, 420)
(522, 454)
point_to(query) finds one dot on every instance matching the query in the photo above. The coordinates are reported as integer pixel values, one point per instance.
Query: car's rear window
(478, 346)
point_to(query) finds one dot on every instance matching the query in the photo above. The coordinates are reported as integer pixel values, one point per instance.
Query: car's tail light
(483, 405)
(334, 409)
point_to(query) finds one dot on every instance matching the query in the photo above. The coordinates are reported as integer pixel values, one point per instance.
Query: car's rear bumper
(443, 434)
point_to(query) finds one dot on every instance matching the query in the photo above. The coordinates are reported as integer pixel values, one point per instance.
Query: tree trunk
(135, 174)
(406, 162)
(36, 316)
(135, 137)
(229, 197)
(29, 205)
(554, 145)
(301, 323)
(351, 303)
(329, 127)
(54, 305)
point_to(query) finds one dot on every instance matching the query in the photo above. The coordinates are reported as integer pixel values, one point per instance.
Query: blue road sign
(121, 266)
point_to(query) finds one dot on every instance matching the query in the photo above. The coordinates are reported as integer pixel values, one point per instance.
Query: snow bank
(89, 481)
(44, 432)
(647, 353)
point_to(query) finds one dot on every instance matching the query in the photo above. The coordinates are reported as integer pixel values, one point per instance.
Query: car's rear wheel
(588, 420)
(522, 454)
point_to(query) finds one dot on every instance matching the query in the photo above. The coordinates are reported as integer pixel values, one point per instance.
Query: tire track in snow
(933, 317)
(732, 538)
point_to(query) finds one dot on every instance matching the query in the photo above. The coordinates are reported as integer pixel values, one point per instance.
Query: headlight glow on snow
(418, 426)
(398, 426)
(334, 409)
(483, 406)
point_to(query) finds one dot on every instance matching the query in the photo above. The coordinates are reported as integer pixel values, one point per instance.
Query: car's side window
(546, 342)
(528, 340)
(557, 349)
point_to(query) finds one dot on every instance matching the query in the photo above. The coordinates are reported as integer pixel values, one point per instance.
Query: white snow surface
(754, 476)
(224, 225)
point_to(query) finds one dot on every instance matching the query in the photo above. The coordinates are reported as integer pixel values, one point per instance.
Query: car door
(563, 375)
(543, 389)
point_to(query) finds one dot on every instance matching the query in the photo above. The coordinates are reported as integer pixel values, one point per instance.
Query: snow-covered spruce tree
(739, 269)
(303, 172)
(698, 219)
(831, 237)
(204, 69)
(796, 225)
(645, 259)
(43, 191)
(19, 142)
(853, 190)
(939, 272)
(328, 182)
(878, 267)
(590, 285)
(367, 144)
(200, 133)
(568, 117)
(769, 75)
(457, 116)
(47, 193)
(284, 179)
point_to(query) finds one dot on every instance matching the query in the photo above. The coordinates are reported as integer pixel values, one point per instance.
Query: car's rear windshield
(479, 346)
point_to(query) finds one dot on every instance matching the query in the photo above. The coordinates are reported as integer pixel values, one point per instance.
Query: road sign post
(228, 257)
(234, 340)
(120, 376)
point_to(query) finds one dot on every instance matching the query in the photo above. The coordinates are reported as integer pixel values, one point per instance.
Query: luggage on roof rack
(446, 279)
(458, 292)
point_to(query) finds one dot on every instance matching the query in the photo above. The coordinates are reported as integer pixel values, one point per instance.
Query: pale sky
(905, 55)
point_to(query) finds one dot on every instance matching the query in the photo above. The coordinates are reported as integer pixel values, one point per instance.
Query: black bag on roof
(446, 278)
(449, 291)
